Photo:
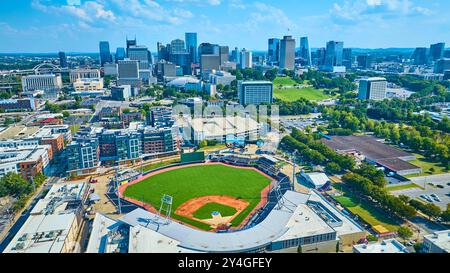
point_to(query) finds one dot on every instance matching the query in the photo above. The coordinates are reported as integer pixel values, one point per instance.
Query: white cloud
(352, 11)
(88, 12)
(264, 13)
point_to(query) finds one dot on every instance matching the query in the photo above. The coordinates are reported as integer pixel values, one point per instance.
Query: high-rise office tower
(437, 51)
(163, 52)
(334, 54)
(305, 52)
(141, 54)
(62, 59)
(128, 69)
(209, 55)
(364, 61)
(442, 65)
(224, 54)
(372, 89)
(120, 54)
(321, 55)
(191, 45)
(131, 43)
(236, 56)
(274, 50)
(420, 56)
(287, 53)
(209, 49)
(179, 56)
(246, 59)
(177, 47)
(347, 58)
(105, 53)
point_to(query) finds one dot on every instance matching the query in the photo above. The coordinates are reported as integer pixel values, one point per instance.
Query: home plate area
(216, 211)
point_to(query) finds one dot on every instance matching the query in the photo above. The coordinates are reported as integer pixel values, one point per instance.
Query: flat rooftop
(397, 165)
(60, 198)
(221, 126)
(18, 132)
(373, 148)
(441, 239)
(386, 246)
(42, 234)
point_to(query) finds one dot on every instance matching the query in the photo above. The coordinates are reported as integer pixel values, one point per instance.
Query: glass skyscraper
(105, 53)
(120, 54)
(437, 51)
(191, 45)
(62, 59)
(334, 54)
(305, 52)
(274, 50)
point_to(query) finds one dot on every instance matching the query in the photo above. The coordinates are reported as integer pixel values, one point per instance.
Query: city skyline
(78, 26)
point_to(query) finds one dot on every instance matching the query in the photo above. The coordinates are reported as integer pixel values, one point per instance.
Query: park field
(191, 182)
(426, 165)
(294, 94)
(285, 81)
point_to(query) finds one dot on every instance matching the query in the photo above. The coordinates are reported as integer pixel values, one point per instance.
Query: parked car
(436, 198)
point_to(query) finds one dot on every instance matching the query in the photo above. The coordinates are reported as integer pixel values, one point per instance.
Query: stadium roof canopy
(294, 219)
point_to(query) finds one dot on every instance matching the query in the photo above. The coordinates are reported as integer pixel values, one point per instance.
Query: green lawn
(403, 187)
(211, 148)
(294, 94)
(206, 211)
(284, 81)
(426, 165)
(198, 181)
(366, 211)
(160, 165)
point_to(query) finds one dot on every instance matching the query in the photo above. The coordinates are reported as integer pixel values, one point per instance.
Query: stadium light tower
(117, 188)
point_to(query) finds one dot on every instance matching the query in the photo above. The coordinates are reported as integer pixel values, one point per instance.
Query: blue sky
(78, 25)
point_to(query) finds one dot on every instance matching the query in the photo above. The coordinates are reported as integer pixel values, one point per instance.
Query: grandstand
(301, 219)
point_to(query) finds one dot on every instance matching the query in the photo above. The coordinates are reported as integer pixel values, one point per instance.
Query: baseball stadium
(222, 204)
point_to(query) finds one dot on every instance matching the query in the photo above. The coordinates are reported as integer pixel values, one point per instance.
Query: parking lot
(437, 185)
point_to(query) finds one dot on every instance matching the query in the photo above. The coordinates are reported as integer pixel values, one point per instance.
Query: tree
(333, 168)
(404, 233)
(14, 185)
(299, 249)
(203, 144)
(65, 114)
(337, 247)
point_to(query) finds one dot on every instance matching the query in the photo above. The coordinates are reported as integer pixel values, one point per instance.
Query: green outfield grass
(198, 181)
(206, 211)
(294, 94)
